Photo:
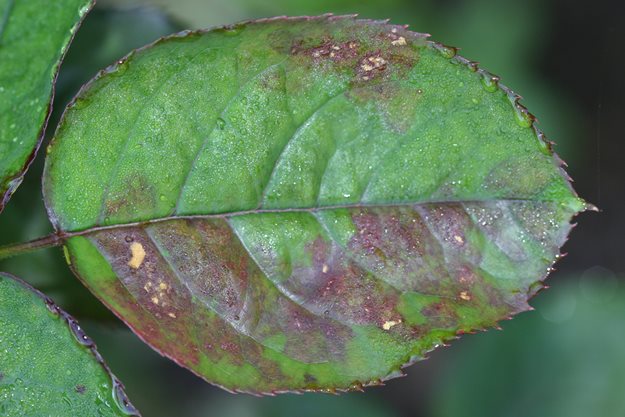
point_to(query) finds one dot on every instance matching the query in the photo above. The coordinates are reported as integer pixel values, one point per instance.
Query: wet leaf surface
(32, 45)
(48, 365)
(305, 204)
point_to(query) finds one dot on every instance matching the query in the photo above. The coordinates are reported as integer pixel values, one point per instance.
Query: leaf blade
(30, 53)
(49, 365)
(389, 187)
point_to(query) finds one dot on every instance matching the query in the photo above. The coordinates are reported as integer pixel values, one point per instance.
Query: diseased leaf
(32, 45)
(305, 203)
(48, 365)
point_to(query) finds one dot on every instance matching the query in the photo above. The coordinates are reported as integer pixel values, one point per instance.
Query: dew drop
(121, 67)
(121, 399)
(523, 117)
(543, 144)
(490, 82)
(447, 51)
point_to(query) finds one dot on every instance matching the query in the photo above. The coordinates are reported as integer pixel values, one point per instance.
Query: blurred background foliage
(565, 359)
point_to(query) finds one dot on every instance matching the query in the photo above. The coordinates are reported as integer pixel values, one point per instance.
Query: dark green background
(565, 359)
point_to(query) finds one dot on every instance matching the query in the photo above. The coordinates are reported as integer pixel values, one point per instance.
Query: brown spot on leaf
(80, 389)
(309, 379)
(328, 49)
(370, 66)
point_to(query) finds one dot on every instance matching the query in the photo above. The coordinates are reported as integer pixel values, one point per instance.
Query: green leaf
(305, 203)
(32, 45)
(48, 365)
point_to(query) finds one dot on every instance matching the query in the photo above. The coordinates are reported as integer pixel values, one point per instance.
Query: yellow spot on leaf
(137, 255)
(389, 324)
(465, 295)
(459, 239)
(172, 315)
(324, 269)
(162, 286)
(155, 300)
(401, 41)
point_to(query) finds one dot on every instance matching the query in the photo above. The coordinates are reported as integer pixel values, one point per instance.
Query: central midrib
(96, 228)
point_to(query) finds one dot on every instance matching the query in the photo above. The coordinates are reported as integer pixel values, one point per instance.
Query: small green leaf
(48, 365)
(32, 45)
(305, 203)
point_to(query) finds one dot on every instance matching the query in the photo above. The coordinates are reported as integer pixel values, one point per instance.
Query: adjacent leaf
(48, 365)
(305, 203)
(32, 45)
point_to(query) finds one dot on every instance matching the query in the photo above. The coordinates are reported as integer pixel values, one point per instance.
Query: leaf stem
(15, 249)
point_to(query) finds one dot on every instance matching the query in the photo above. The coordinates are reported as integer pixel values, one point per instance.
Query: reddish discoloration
(227, 305)
(199, 265)
(153, 287)
(309, 338)
(199, 253)
(441, 315)
(396, 244)
(336, 288)
(451, 225)
(138, 192)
